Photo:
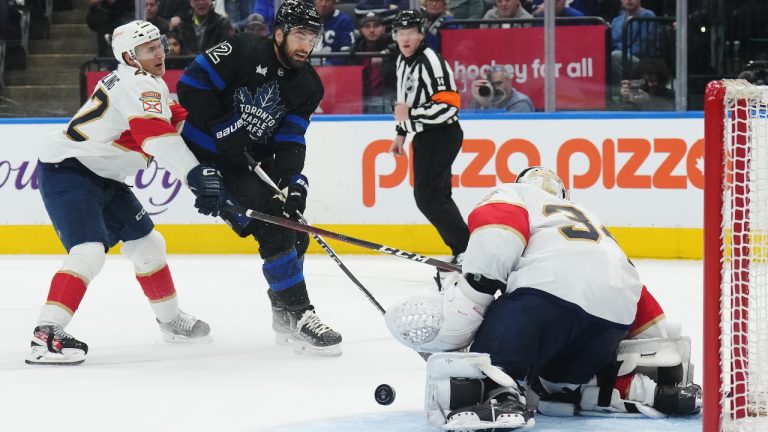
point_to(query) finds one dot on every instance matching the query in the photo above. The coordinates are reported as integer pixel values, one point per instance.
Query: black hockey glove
(206, 183)
(295, 196)
(231, 136)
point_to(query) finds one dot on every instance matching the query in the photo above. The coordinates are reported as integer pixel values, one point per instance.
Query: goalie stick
(326, 247)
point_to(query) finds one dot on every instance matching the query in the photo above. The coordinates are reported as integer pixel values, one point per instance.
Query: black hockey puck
(384, 394)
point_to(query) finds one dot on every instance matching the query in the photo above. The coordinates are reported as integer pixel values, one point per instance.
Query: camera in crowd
(487, 90)
(637, 85)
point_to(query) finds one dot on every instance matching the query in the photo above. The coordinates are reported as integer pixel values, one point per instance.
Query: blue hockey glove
(231, 136)
(206, 183)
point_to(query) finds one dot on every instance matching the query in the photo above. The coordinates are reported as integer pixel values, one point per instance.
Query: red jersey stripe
(178, 114)
(649, 312)
(501, 214)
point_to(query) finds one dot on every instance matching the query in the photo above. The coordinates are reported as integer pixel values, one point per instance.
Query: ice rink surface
(133, 381)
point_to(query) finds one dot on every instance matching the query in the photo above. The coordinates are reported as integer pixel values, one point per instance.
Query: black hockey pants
(434, 151)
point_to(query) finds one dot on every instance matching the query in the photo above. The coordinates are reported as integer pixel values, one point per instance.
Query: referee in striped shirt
(428, 105)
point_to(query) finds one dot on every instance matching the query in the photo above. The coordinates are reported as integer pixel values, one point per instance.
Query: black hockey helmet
(298, 14)
(408, 19)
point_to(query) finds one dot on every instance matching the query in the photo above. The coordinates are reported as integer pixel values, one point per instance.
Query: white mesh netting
(744, 338)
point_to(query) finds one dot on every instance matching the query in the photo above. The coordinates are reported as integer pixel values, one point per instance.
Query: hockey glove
(295, 196)
(206, 183)
(231, 136)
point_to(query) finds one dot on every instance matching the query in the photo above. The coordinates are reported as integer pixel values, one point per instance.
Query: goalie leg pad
(665, 360)
(456, 380)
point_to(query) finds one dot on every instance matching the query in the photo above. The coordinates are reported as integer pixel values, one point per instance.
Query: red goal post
(735, 257)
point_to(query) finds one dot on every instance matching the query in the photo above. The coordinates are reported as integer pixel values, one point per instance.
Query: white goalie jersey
(129, 118)
(528, 238)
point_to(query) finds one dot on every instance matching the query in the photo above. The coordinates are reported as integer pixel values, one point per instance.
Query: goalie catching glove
(439, 322)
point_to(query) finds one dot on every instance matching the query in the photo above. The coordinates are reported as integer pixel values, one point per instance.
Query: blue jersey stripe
(186, 79)
(291, 138)
(293, 118)
(199, 137)
(215, 78)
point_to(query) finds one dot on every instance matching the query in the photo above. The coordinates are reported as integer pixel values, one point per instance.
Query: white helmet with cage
(128, 36)
(545, 179)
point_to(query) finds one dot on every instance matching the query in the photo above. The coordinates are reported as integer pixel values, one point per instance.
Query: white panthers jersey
(111, 133)
(528, 238)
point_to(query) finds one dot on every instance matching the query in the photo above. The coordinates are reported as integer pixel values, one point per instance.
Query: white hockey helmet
(128, 36)
(545, 179)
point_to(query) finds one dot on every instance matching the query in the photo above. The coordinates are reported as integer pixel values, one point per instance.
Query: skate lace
(61, 334)
(314, 324)
(184, 322)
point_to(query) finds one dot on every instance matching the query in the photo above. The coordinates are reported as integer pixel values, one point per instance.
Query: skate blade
(304, 348)
(55, 359)
(473, 423)
(177, 339)
(283, 339)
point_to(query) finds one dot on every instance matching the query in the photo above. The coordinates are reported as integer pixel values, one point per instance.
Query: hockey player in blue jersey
(338, 31)
(249, 101)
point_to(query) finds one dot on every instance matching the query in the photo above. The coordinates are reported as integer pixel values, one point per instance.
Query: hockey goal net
(736, 257)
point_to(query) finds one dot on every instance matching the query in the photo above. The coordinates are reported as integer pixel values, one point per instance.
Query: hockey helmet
(408, 19)
(545, 179)
(298, 14)
(128, 36)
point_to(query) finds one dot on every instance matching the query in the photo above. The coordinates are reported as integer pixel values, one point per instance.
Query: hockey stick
(303, 222)
(346, 239)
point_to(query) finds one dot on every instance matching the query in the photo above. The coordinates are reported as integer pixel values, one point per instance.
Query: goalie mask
(129, 37)
(545, 179)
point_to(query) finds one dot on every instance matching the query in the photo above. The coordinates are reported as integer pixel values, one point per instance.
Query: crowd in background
(192, 26)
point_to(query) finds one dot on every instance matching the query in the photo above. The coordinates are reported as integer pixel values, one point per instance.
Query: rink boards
(640, 172)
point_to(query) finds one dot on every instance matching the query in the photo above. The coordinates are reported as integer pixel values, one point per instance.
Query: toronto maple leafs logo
(261, 111)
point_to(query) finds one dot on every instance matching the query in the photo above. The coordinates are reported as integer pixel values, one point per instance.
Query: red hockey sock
(157, 286)
(622, 384)
(67, 290)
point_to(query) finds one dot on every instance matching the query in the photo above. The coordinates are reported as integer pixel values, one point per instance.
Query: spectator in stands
(174, 43)
(586, 7)
(641, 43)
(467, 9)
(379, 77)
(495, 92)
(506, 9)
(435, 15)
(265, 8)
(756, 72)
(386, 9)
(238, 12)
(203, 28)
(649, 90)
(173, 11)
(150, 8)
(104, 16)
(338, 31)
(255, 24)
(562, 9)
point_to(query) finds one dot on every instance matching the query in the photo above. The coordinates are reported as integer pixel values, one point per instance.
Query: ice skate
(185, 328)
(505, 412)
(281, 324)
(442, 275)
(51, 345)
(312, 336)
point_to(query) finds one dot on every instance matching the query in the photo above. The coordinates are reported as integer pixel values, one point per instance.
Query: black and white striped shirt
(425, 82)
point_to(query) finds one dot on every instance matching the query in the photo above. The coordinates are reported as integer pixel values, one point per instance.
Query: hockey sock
(159, 289)
(64, 297)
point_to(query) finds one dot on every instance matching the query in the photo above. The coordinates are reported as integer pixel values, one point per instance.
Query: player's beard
(287, 59)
